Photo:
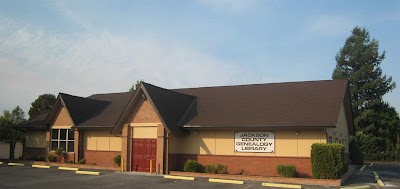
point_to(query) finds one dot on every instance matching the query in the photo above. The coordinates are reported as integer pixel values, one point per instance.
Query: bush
(191, 166)
(117, 160)
(82, 161)
(328, 161)
(356, 156)
(286, 170)
(222, 169)
(71, 161)
(210, 169)
(51, 158)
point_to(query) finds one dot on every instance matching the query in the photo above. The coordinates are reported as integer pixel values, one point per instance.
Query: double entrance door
(144, 150)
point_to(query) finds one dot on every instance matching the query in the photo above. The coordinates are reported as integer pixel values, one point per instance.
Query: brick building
(250, 128)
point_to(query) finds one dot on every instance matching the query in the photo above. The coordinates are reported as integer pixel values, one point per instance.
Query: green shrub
(210, 169)
(328, 160)
(191, 166)
(356, 156)
(51, 158)
(286, 170)
(71, 161)
(222, 169)
(117, 160)
(82, 161)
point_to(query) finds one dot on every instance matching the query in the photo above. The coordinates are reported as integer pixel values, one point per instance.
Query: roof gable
(170, 106)
(82, 109)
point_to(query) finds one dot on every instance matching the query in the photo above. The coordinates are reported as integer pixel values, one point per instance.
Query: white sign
(255, 142)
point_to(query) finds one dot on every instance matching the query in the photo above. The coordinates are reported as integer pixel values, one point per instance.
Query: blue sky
(87, 47)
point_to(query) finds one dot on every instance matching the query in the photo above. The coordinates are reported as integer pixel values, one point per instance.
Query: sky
(84, 47)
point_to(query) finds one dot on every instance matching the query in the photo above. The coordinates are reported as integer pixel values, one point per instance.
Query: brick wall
(252, 165)
(101, 158)
(28, 151)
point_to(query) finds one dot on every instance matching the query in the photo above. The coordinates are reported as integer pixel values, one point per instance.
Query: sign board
(255, 142)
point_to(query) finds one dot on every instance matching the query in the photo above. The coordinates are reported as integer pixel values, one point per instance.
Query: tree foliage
(9, 133)
(376, 122)
(135, 86)
(41, 105)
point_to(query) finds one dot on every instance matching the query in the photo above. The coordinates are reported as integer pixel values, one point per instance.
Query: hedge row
(328, 161)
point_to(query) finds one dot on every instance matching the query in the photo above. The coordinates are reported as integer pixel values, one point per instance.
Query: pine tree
(359, 61)
(376, 122)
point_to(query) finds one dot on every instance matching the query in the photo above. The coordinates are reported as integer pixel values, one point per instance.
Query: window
(330, 140)
(62, 138)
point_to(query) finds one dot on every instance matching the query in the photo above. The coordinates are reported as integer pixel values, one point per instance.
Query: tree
(376, 122)
(9, 133)
(359, 62)
(41, 105)
(135, 86)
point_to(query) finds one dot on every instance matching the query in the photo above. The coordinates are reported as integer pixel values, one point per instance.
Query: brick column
(125, 151)
(160, 149)
(48, 141)
(77, 147)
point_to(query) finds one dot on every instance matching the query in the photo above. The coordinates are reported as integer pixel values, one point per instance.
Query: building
(250, 128)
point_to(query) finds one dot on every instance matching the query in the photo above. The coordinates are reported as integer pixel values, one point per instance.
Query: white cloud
(235, 6)
(329, 25)
(35, 61)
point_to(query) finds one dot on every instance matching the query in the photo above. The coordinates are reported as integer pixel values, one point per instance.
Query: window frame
(59, 140)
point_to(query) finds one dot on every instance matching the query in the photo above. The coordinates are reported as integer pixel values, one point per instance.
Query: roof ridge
(109, 93)
(254, 84)
(170, 90)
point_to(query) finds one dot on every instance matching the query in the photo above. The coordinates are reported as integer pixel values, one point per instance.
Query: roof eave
(258, 126)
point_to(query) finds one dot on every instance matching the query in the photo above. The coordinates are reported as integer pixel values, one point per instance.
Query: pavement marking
(69, 168)
(41, 166)
(378, 180)
(16, 164)
(281, 185)
(371, 164)
(357, 187)
(178, 177)
(226, 181)
(87, 172)
(362, 168)
(248, 186)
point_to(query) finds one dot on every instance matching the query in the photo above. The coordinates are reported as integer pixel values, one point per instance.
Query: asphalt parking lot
(28, 177)
(389, 173)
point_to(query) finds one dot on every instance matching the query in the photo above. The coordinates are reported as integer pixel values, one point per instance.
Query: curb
(16, 164)
(178, 177)
(41, 166)
(362, 168)
(378, 180)
(280, 185)
(69, 168)
(226, 181)
(357, 187)
(87, 172)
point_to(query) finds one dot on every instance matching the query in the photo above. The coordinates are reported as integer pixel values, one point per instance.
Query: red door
(143, 150)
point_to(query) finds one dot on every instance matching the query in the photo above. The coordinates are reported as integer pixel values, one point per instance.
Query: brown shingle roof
(108, 116)
(311, 103)
(36, 123)
(170, 105)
